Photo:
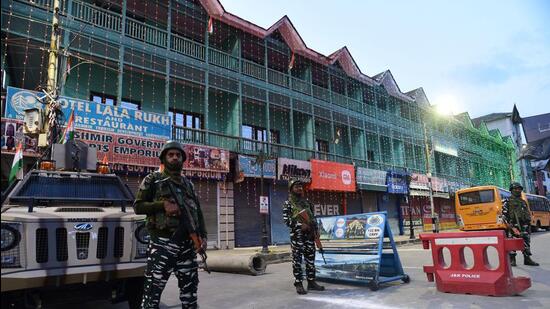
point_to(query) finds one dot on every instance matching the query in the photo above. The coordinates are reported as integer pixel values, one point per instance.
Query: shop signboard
(419, 181)
(397, 182)
(94, 116)
(205, 162)
(440, 185)
(332, 176)
(294, 169)
(367, 176)
(248, 167)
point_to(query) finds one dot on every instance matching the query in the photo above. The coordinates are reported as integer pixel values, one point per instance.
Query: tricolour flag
(291, 63)
(17, 165)
(210, 25)
(68, 134)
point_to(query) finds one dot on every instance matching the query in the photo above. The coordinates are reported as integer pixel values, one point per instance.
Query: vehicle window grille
(119, 242)
(79, 209)
(102, 236)
(41, 245)
(82, 245)
(62, 251)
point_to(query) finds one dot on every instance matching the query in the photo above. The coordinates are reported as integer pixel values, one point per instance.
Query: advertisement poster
(359, 261)
(93, 116)
(332, 176)
(12, 134)
(205, 162)
(247, 167)
(397, 182)
(294, 169)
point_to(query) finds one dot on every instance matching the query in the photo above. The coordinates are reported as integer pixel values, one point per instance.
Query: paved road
(275, 290)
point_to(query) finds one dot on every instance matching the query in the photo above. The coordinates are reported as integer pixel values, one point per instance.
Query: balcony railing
(146, 33)
(96, 16)
(224, 141)
(253, 69)
(301, 86)
(277, 78)
(339, 99)
(321, 93)
(355, 105)
(223, 60)
(187, 47)
(189, 135)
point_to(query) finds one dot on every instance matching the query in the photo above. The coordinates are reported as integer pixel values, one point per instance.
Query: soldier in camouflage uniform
(301, 236)
(170, 253)
(517, 217)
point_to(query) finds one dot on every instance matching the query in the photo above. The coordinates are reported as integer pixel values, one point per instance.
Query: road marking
(356, 302)
(467, 241)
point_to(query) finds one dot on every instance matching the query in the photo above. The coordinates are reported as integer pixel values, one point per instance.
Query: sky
(479, 57)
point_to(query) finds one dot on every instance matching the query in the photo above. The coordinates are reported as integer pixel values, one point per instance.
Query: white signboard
(264, 204)
(294, 169)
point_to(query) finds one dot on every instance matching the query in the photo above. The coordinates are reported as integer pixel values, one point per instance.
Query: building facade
(189, 70)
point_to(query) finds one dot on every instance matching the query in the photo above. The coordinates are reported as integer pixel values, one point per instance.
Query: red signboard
(332, 176)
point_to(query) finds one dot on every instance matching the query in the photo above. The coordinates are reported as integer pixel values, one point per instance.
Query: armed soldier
(176, 228)
(298, 216)
(517, 217)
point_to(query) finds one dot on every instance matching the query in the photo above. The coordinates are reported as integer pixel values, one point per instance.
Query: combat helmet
(172, 144)
(293, 182)
(514, 185)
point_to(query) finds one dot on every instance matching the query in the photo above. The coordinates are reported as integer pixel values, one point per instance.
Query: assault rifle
(186, 224)
(315, 233)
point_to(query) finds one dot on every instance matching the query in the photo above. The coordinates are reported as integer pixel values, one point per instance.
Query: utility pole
(409, 203)
(260, 160)
(52, 106)
(435, 229)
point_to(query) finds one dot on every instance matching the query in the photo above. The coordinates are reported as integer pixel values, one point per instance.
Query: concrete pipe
(249, 264)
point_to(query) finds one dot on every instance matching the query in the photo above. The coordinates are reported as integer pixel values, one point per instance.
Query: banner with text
(294, 169)
(93, 116)
(332, 176)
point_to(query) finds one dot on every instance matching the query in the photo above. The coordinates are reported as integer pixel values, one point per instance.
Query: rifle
(186, 224)
(316, 237)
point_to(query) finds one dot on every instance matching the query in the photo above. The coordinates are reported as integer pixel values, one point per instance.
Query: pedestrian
(162, 196)
(518, 219)
(298, 216)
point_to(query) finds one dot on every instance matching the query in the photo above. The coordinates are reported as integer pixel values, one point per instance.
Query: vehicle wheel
(406, 279)
(134, 292)
(374, 286)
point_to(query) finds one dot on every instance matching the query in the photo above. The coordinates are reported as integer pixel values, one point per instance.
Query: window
(258, 134)
(476, 197)
(186, 119)
(103, 98)
(130, 104)
(321, 145)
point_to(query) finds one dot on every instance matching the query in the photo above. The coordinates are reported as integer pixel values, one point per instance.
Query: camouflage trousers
(526, 236)
(302, 246)
(165, 257)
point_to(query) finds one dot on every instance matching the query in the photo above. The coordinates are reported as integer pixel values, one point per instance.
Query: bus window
(476, 197)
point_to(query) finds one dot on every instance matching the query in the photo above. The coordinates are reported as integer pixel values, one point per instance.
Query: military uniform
(517, 215)
(302, 242)
(170, 249)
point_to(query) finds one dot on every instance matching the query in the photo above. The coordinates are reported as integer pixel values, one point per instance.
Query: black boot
(528, 261)
(513, 260)
(300, 288)
(313, 286)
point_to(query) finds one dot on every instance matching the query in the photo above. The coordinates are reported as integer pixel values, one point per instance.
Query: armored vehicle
(70, 237)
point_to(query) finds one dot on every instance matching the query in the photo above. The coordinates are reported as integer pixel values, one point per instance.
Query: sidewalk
(281, 253)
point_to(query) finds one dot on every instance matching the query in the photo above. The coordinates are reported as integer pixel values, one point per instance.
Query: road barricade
(481, 278)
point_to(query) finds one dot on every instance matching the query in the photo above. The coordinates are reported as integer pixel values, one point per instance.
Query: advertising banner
(294, 169)
(369, 176)
(332, 176)
(93, 116)
(205, 162)
(397, 182)
(419, 181)
(440, 184)
(248, 168)
(12, 134)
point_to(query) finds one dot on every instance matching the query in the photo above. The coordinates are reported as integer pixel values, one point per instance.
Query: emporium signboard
(205, 162)
(94, 116)
(332, 176)
(294, 169)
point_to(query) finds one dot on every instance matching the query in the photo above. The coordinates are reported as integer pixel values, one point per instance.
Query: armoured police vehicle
(69, 237)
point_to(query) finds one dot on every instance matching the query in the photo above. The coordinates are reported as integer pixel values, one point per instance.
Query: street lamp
(260, 160)
(429, 174)
(408, 197)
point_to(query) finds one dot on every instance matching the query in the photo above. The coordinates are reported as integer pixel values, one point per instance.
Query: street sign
(264, 204)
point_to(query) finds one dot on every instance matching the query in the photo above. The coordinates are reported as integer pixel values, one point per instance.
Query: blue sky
(474, 56)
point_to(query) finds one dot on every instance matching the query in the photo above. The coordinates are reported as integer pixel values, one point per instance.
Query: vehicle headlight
(142, 235)
(10, 237)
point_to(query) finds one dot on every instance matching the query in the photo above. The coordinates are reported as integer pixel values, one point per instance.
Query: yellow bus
(539, 206)
(480, 208)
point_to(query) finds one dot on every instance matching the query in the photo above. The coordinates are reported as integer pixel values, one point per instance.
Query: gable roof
(419, 96)
(386, 79)
(297, 45)
(490, 118)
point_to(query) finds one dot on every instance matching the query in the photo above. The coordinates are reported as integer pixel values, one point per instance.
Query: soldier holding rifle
(176, 227)
(517, 217)
(304, 235)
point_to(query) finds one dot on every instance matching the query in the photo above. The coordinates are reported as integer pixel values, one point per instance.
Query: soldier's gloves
(171, 208)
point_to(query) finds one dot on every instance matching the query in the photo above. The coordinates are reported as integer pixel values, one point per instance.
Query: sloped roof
(295, 42)
(419, 96)
(490, 118)
(386, 79)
